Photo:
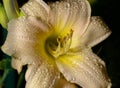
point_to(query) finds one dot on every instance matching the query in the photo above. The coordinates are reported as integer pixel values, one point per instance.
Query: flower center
(59, 45)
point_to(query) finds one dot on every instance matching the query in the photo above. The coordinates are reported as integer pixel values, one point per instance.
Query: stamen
(62, 46)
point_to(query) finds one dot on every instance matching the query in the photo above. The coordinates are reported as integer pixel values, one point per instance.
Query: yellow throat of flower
(59, 45)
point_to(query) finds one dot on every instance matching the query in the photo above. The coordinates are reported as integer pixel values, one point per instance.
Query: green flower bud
(11, 8)
(3, 17)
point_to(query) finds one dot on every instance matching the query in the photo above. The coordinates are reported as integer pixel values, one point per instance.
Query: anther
(62, 46)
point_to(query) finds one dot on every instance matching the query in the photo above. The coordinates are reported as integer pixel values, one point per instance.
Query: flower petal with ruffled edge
(25, 43)
(44, 76)
(84, 68)
(24, 39)
(37, 8)
(96, 32)
(70, 15)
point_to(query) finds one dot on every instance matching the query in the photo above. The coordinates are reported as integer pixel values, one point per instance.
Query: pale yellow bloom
(55, 42)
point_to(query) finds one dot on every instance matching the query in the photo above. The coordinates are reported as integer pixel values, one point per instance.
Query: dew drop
(72, 79)
(68, 5)
(101, 66)
(97, 64)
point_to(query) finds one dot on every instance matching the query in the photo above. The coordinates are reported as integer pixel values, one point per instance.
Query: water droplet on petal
(73, 79)
(68, 5)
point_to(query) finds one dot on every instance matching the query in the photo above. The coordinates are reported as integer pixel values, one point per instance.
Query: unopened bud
(3, 17)
(11, 8)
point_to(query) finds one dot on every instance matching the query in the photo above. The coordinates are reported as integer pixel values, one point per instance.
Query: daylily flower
(54, 40)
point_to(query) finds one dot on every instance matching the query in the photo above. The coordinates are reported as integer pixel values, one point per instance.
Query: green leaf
(5, 64)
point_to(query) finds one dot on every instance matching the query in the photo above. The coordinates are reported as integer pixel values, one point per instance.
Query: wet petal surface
(85, 69)
(70, 14)
(43, 76)
(37, 8)
(96, 32)
(24, 40)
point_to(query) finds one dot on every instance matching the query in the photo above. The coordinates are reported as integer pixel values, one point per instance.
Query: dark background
(109, 49)
(110, 53)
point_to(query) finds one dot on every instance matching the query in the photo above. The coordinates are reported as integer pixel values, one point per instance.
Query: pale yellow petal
(36, 8)
(96, 32)
(26, 40)
(70, 14)
(25, 43)
(85, 69)
(63, 83)
(17, 64)
(43, 76)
